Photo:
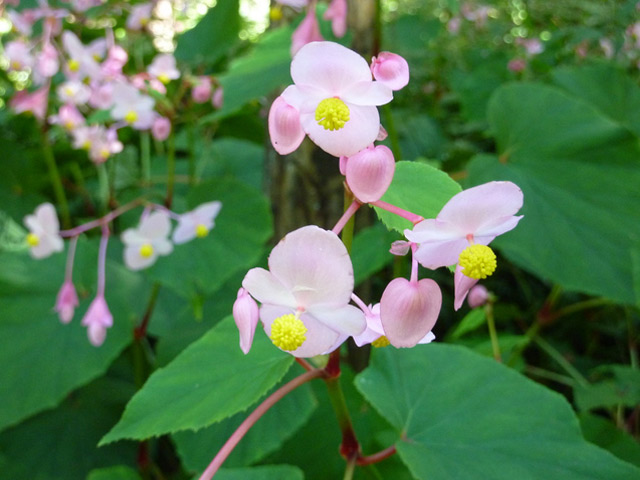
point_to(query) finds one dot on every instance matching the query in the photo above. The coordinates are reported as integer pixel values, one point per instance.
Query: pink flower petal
(462, 285)
(246, 315)
(370, 172)
(285, 130)
(266, 288)
(367, 93)
(308, 30)
(337, 13)
(347, 320)
(157, 224)
(409, 311)
(391, 70)
(440, 243)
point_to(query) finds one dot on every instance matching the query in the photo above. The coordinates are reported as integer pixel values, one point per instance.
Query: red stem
(376, 457)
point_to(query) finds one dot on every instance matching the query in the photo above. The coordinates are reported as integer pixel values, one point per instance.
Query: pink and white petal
(358, 133)
(134, 261)
(163, 246)
(481, 205)
(185, 231)
(497, 227)
(155, 225)
(285, 131)
(329, 66)
(341, 339)
(32, 223)
(131, 237)
(428, 338)
(207, 212)
(440, 254)
(314, 265)
(367, 93)
(55, 242)
(48, 218)
(348, 319)
(246, 315)
(266, 288)
(462, 285)
(42, 250)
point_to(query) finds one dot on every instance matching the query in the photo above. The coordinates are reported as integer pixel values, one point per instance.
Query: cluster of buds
(143, 245)
(305, 296)
(95, 77)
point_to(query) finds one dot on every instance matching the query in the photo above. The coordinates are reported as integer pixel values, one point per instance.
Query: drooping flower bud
(391, 70)
(369, 172)
(409, 310)
(66, 302)
(284, 127)
(478, 296)
(337, 13)
(97, 319)
(161, 128)
(246, 315)
(201, 92)
(308, 31)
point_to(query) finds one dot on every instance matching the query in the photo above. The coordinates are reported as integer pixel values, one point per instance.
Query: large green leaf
(266, 472)
(464, 416)
(579, 172)
(606, 435)
(214, 35)
(370, 252)
(119, 472)
(209, 381)
(58, 358)
(418, 188)
(242, 227)
(196, 449)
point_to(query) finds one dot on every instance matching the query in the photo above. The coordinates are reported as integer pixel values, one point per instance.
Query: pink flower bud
(161, 128)
(400, 248)
(369, 172)
(66, 302)
(337, 13)
(97, 319)
(202, 91)
(245, 314)
(478, 296)
(35, 102)
(409, 310)
(47, 63)
(284, 127)
(308, 31)
(517, 65)
(391, 70)
(217, 99)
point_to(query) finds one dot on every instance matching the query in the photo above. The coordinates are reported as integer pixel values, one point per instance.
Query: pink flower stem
(169, 212)
(74, 232)
(348, 213)
(102, 259)
(306, 365)
(360, 303)
(244, 427)
(68, 271)
(376, 457)
(412, 217)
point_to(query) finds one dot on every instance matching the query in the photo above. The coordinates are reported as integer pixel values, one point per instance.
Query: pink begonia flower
(196, 223)
(308, 31)
(133, 107)
(104, 143)
(81, 63)
(101, 95)
(83, 5)
(34, 102)
(409, 309)
(246, 315)
(201, 92)
(374, 330)
(391, 70)
(478, 296)
(474, 216)
(517, 65)
(337, 13)
(163, 67)
(335, 97)
(400, 248)
(607, 47)
(370, 172)
(19, 55)
(532, 46)
(68, 117)
(117, 58)
(22, 22)
(97, 319)
(285, 130)
(66, 302)
(47, 64)
(98, 48)
(145, 243)
(217, 99)
(161, 128)
(139, 16)
(44, 231)
(453, 26)
(305, 294)
(73, 92)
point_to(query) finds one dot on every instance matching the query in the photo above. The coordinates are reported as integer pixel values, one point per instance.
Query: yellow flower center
(146, 250)
(33, 240)
(477, 261)
(131, 116)
(104, 153)
(288, 332)
(16, 65)
(163, 78)
(332, 113)
(73, 65)
(201, 230)
(69, 125)
(275, 13)
(69, 91)
(86, 144)
(381, 342)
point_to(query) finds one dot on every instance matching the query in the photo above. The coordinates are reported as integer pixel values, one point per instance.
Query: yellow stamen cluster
(163, 78)
(201, 230)
(383, 341)
(131, 117)
(332, 113)
(73, 65)
(288, 332)
(33, 240)
(146, 250)
(478, 261)
(275, 13)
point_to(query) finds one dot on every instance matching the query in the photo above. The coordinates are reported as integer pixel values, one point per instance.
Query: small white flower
(44, 237)
(163, 67)
(145, 243)
(132, 106)
(196, 223)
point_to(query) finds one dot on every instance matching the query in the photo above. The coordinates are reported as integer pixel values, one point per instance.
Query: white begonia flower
(73, 92)
(44, 231)
(163, 67)
(145, 243)
(196, 223)
(132, 106)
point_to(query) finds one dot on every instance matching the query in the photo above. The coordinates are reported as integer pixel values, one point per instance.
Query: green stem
(351, 467)
(576, 307)
(171, 170)
(145, 158)
(192, 154)
(553, 376)
(563, 362)
(103, 188)
(495, 345)
(56, 181)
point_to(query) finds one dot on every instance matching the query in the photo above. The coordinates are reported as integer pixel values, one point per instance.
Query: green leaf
(464, 416)
(119, 472)
(620, 386)
(209, 381)
(267, 472)
(604, 434)
(57, 357)
(196, 449)
(242, 227)
(214, 35)
(60, 444)
(257, 74)
(579, 172)
(233, 157)
(418, 188)
(471, 321)
(370, 252)
(12, 235)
